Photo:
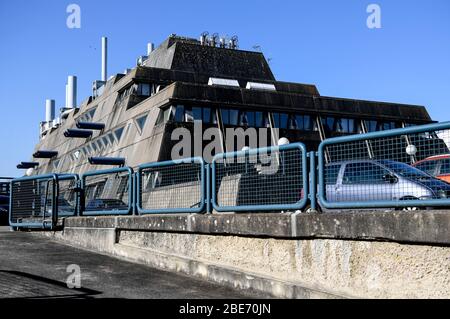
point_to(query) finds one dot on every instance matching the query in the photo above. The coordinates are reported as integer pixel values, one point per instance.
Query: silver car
(380, 180)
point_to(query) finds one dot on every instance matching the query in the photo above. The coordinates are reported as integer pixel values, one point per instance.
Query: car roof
(364, 161)
(433, 158)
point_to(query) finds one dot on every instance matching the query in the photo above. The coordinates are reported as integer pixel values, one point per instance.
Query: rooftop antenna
(234, 42)
(222, 42)
(204, 38)
(213, 40)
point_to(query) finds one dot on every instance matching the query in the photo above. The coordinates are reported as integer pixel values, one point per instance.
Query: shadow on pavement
(16, 284)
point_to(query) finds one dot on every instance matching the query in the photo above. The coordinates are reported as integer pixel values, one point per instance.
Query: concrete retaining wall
(283, 267)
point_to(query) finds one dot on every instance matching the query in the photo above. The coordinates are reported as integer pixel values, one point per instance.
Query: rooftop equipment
(74, 133)
(260, 86)
(223, 82)
(45, 154)
(27, 165)
(91, 126)
(204, 38)
(213, 39)
(111, 161)
(233, 44)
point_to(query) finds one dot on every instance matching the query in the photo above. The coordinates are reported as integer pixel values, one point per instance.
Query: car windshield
(405, 170)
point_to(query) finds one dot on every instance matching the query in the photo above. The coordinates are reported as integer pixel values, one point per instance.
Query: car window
(364, 173)
(445, 167)
(331, 174)
(428, 167)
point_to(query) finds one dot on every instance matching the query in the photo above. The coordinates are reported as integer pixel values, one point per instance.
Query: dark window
(341, 126)
(141, 122)
(207, 115)
(281, 120)
(143, 89)
(372, 126)
(445, 167)
(234, 117)
(300, 122)
(118, 133)
(247, 118)
(364, 173)
(331, 174)
(295, 122)
(428, 167)
(179, 114)
(197, 112)
(307, 123)
(328, 124)
(225, 113)
(188, 114)
(344, 125)
(251, 119)
(243, 119)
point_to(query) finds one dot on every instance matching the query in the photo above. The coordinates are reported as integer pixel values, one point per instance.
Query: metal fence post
(312, 179)
(208, 188)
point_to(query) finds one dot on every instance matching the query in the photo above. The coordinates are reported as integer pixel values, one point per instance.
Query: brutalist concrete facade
(177, 73)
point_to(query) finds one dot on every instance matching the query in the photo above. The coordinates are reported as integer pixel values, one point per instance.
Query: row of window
(257, 119)
(88, 116)
(106, 141)
(94, 147)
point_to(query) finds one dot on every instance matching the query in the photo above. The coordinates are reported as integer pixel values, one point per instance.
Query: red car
(437, 166)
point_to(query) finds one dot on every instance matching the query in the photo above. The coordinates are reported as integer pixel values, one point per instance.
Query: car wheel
(309, 210)
(409, 208)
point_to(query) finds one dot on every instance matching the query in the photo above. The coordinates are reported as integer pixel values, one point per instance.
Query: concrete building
(132, 115)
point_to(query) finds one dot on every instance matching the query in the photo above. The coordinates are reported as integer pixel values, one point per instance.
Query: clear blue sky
(326, 43)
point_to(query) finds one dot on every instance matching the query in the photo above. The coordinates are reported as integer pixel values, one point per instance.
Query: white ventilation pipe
(49, 110)
(67, 96)
(104, 58)
(72, 92)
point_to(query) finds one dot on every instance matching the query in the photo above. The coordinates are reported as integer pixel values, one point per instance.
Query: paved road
(34, 267)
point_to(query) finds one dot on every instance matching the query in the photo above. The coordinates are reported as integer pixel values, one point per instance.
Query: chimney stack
(72, 92)
(150, 48)
(49, 110)
(104, 58)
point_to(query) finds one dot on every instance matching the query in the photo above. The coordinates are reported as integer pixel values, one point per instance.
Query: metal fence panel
(401, 168)
(266, 179)
(32, 202)
(68, 199)
(107, 192)
(171, 187)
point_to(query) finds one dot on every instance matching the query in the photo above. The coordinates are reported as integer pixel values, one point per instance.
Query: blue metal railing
(38, 201)
(67, 192)
(107, 192)
(265, 179)
(382, 169)
(171, 187)
(389, 169)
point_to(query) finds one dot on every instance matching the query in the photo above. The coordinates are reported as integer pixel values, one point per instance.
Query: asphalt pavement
(36, 267)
